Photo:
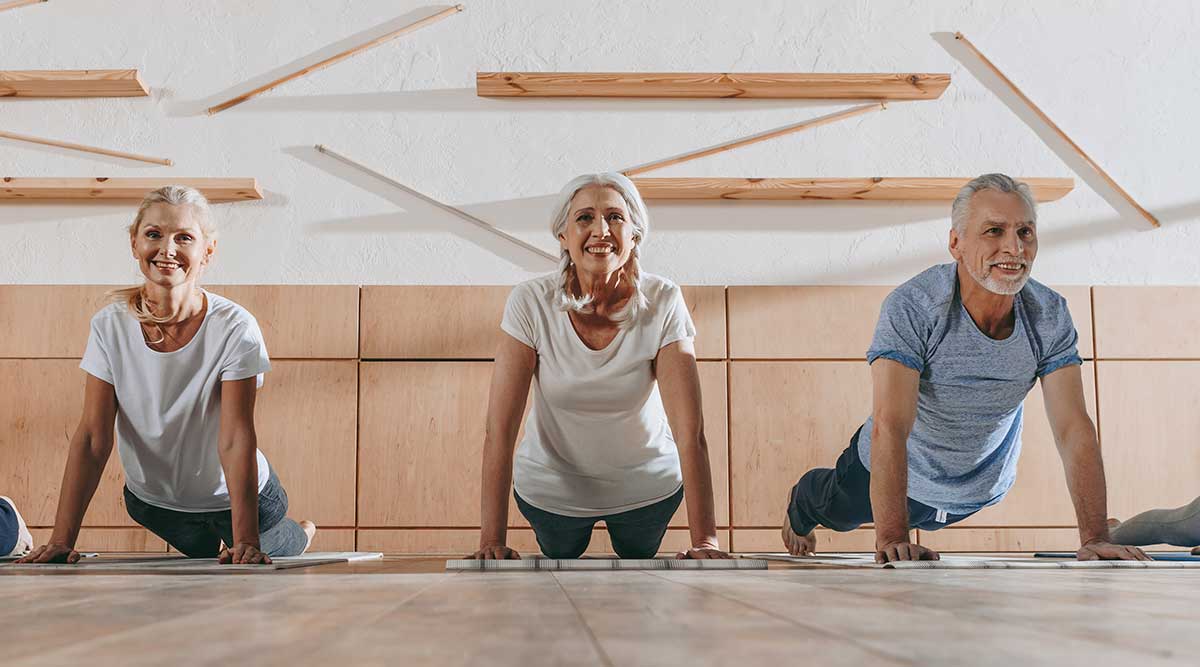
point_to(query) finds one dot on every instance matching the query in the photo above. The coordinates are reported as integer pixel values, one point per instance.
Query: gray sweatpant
(1178, 527)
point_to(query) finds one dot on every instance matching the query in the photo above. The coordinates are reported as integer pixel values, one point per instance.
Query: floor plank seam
(583, 621)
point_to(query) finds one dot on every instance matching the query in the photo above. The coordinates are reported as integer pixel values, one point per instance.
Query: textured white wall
(1119, 77)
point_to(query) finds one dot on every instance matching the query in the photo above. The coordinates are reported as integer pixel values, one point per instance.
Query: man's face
(999, 243)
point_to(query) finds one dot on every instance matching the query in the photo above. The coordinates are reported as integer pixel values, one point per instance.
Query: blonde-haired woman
(615, 433)
(177, 368)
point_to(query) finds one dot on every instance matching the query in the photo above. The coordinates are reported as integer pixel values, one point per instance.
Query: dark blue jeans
(8, 528)
(634, 534)
(840, 498)
(200, 534)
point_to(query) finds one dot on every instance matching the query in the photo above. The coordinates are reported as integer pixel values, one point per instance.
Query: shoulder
(658, 289)
(927, 292)
(535, 291)
(1043, 305)
(225, 314)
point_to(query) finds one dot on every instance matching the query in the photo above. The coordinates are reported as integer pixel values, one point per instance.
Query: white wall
(1119, 77)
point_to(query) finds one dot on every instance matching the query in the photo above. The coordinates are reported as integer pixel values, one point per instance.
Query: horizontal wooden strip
(1000, 539)
(886, 86)
(876, 188)
(769, 540)
(72, 83)
(15, 189)
(460, 541)
(109, 540)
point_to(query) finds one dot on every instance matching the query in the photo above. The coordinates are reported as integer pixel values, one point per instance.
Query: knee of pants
(640, 552)
(557, 552)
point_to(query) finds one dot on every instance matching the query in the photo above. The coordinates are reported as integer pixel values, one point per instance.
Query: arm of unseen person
(679, 385)
(89, 451)
(511, 375)
(893, 410)
(1075, 436)
(237, 445)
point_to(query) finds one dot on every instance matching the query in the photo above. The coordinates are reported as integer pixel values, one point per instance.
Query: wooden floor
(413, 612)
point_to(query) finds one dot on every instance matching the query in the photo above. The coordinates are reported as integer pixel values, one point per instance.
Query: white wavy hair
(566, 298)
(960, 210)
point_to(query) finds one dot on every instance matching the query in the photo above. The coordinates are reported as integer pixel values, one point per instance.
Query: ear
(210, 250)
(955, 250)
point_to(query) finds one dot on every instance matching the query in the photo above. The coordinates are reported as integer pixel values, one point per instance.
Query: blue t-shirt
(964, 444)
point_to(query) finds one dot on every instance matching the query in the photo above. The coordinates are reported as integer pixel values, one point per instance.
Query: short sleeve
(247, 354)
(677, 324)
(902, 333)
(518, 320)
(95, 360)
(1060, 343)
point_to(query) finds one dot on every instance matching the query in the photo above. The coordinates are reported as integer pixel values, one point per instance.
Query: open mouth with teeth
(600, 249)
(166, 267)
(1010, 267)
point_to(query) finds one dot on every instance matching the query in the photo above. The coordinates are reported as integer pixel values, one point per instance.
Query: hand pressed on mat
(51, 553)
(902, 550)
(243, 554)
(495, 552)
(703, 552)
(1106, 551)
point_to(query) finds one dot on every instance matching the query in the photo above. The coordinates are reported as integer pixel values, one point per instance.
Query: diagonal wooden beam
(1062, 135)
(18, 3)
(84, 149)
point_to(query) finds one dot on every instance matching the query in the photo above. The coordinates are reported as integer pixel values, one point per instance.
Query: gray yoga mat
(956, 562)
(606, 564)
(184, 565)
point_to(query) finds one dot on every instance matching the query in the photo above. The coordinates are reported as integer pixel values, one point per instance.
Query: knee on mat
(564, 554)
(636, 553)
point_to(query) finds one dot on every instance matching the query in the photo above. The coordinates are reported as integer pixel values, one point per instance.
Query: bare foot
(1196, 551)
(797, 545)
(310, 529)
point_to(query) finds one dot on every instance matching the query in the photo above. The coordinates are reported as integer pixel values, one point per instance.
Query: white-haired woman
(615, 433)
(177, 369)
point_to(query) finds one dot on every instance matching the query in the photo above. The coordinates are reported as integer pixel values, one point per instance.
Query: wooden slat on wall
(306, 423)
(1000, 539)
(72, 83)
(41, 401)
(109, 540)
(48, 321)
(769, 540)
(835, 321)
(301, 321)
(1149, 418)
(1147, 322)
(1039, 497)
(786, 418)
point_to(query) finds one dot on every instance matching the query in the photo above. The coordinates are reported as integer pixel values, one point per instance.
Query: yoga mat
(1181, 556)
(9, 559)
(604, 564)
(952, 562)
(184, 565)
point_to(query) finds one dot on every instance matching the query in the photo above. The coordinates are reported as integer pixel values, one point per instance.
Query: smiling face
(599, 234)
(170, 245)
(998, 243)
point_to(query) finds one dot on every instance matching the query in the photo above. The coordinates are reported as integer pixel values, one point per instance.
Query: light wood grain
(306, 424)
(84, 148)
(72, 83)
(786, 418)
(712, 85)
(1149, 418)
(416, 25)
(716, 430)
(768, 540)
(440, 541)
(48, 321)
(1079, 303)
(1039, 497)
(1147, 322)
(707, 307)
(301, 321)
(1057, 130)
(877, 188)
(333, 539)
(18, 189)
(109, 540)
(765, 136)
(431, 322)
(987, 540)
(41, 401)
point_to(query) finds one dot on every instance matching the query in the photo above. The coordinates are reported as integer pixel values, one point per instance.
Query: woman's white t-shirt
(597, 440)
(169, 403)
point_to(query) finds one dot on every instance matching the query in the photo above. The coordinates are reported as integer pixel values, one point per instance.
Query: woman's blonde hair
(566, 296)
(134, 297)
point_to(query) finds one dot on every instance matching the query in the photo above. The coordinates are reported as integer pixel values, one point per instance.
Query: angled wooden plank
(870, 188)
(72, 83)
(18, 3)
(884, 86)
(83, 148)
(15, 189)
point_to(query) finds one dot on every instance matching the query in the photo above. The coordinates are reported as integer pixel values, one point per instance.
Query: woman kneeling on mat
(177, 368)
(601, 444)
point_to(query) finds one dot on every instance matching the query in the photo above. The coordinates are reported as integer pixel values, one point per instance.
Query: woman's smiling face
(599, 234)
(170, 245)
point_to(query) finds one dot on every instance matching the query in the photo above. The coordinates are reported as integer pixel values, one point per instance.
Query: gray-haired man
(955, 352)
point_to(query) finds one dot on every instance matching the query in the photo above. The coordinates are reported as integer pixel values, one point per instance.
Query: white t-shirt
(597, 440)
(169, 403)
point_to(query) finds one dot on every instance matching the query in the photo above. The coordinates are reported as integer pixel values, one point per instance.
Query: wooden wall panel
(109, 540)
(1079, 302)
(301, 321)
(716, 429)
(1039, 497)
(1149, 418)
(41, 401)
(431, 322)
(768, 540)
(786, 418)
(989, 540)
(336, 539)
(47, 321)
(707, 307)
(803, 322)
(454, 542)
(306, 422)
(1147, 322)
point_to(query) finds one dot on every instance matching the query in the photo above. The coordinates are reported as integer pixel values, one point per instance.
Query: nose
(602, 228)
(1013, 244)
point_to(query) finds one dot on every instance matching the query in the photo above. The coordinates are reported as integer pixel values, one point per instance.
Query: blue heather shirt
(964, 444)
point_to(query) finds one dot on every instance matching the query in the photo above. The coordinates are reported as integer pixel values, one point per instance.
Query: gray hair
(565, 297)
(960, 210)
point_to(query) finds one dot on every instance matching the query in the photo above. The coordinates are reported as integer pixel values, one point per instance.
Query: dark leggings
(634, 534)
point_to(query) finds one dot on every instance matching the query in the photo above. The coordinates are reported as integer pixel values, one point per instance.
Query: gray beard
(998, 286)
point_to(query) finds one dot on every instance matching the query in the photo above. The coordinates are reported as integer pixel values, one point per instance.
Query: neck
(183, 300)
(603, 287)
(992, 313)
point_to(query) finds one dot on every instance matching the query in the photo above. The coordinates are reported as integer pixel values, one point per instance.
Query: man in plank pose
(955, 352)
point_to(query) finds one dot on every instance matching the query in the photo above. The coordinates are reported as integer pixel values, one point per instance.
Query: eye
(616, 216)
(584, 217)
(994, 231)
(1026, 232)
(152, 234)
(184, 238)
